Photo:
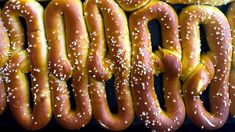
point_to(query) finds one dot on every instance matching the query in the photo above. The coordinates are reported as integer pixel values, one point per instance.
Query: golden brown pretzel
(103, 63)
(231, 19)
(206, 2)
(4, 51)
(146, 64)
(200, 70)
(131, 5)
(68, 52)
(34, 60)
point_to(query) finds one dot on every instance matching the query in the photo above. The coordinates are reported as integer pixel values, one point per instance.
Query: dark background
(7, 122)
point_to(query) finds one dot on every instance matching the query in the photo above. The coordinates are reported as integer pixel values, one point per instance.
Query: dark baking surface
(7, 122)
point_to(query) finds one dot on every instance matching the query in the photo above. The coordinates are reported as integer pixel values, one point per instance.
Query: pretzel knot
(4, 51)
(68, 50)
(105, 60)
(146, 64)
(131, 5)
(33, 61)
(209, 68)
(231, 19)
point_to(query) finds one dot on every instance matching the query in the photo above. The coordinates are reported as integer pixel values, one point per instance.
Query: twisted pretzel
(103, 63)
(231, 19)
(209, 68)
(34, 60)
(68, 53)
(206, 2)
(4, 50)
(131, 5)
(146, 64)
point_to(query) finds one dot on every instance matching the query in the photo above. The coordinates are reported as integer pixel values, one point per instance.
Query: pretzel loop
(103, 63)
(16, 80)
(68, 55)
(209, 68)
(147, 64)
(4, 55)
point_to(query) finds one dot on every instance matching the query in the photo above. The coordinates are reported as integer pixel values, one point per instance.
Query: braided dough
(206, 2)
(34, 60)
(146, 64)
(200, 70)
(4, 50)
(131, 5)
(68, 50)
(106, 20)
(231, 19)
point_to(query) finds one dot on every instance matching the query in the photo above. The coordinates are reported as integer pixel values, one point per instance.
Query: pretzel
(206, 2)
(32, 60)
(200, 70)
(231, 19)
(68, 51)
(4, 50)
(146, 64)
(131, 5)
(103, 62)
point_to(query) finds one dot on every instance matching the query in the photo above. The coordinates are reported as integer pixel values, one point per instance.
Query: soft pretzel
(4, 51)
(131, 5)
(231, 19)
(146, 64)
(206, 2)
(68, 52)
(211, 68)
(106, 20)
(34, 60)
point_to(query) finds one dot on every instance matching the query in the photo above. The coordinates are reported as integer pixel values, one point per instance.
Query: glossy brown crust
(204, 2)
(131, 5)
(200, 70)
(146, 64)
(4, 51)
(107, 21)
(231, 19)
(34, 60)
(68, 51)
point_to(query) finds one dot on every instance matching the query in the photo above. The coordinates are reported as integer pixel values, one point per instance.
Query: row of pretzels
(91, 42)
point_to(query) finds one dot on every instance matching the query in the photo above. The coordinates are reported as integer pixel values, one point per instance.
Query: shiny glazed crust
(231, 19)
(32, 60)
(131, 5)
(4, 50)
(204, 2)
(68, 50)
(212, 67)
(146, 64)
(90, 43)
(110, 54)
